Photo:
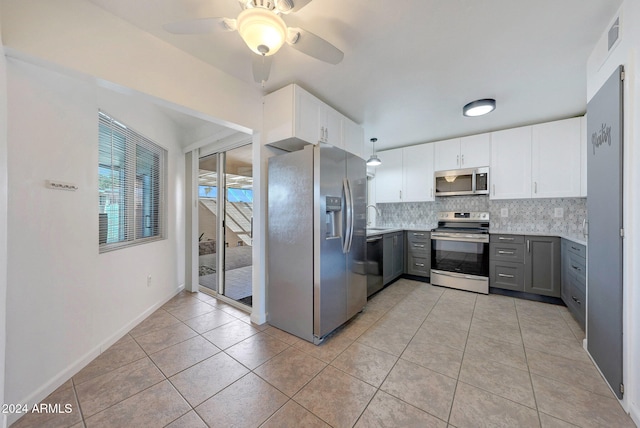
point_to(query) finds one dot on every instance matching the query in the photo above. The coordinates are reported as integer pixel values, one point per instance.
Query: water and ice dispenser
(333, 217)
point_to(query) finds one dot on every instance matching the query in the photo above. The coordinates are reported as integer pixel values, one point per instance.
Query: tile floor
(418, 356)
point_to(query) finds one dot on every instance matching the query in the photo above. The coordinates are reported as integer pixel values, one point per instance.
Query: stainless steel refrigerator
(316, 240)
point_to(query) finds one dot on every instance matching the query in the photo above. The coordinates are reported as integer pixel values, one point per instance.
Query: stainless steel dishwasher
(374, 264)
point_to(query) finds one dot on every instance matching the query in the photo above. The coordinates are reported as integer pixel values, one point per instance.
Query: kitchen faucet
(377, 213)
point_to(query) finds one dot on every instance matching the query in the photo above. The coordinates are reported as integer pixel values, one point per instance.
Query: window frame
(128, 231)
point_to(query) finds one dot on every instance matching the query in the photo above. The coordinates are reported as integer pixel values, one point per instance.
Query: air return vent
(614, 34)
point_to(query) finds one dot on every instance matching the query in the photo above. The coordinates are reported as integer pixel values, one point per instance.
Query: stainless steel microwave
(473, 181)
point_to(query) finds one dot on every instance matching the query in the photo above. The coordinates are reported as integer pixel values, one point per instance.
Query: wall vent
(614, 33)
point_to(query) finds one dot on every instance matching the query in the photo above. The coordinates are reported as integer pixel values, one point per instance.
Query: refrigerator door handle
(351, 213)
(348, 216)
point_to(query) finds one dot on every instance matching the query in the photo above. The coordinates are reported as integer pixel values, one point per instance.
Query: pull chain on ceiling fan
(264, 31)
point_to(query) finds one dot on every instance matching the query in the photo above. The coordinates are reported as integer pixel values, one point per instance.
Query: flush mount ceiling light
(262, 30)
(374, 160)
(479, 107)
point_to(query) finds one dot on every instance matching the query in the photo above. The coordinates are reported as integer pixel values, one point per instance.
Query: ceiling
(410, 65)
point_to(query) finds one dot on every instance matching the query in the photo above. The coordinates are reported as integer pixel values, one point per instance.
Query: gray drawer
(506, 275)
(577, 249)
(505, 252)
(576, 266)
(507, 239)
(419, 246)
(576, 301)
(419, 236)
(420, 266)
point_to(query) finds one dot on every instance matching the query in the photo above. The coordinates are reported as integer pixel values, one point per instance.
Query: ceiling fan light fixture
(479, 107)
(263, 31)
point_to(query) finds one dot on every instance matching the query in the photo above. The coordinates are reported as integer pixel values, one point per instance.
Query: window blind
(131, 186)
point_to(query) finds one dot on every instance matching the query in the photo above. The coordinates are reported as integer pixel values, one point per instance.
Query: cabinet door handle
(502, 238)
(528, 247)
(575, 299)
(420, 264)
(432, 192)
(418, 245)
(574, 248)
(576, 268)
(506, 252)
(494, 190)
(504, 275)
(326, 134)
(458, 160)
(401, 195)
(418, 234)
(535, 187)
(462, 157)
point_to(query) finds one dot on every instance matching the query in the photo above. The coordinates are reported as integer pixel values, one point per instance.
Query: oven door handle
(458, 275)
(463, 238)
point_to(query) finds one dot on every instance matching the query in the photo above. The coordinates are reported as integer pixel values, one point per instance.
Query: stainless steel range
(460, 251)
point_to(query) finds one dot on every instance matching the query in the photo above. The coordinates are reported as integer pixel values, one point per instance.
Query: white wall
(66, 302)
(599, 68)
(3, 218)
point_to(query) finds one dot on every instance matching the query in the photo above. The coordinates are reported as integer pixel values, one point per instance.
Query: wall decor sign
(601, 136)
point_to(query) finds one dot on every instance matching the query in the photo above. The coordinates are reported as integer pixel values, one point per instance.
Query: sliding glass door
(225, 223)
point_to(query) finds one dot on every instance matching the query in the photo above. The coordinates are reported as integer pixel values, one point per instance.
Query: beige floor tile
(62, 398)
(209, 321)
(153, 407)
(199, 382)
(184, 298)
(449, 317)
(186, 312)
(116, 356)
(290, 370)
(335, 397)
(365, 363)
(358, 325)
(238, 313)
(158, 320)
(554, 326)
(575, 328)
(497, 314)
(433, 332)
(581, 407)
(497, 330)
(256, 349)
(110, 388)
(229, 334)
(533, 308)
(281, 335)
(293, 415)
(246, 403)
(440, 358)
(387, 338)
(328, 350)
(474, 408)
(160, 339)
(189, 420)
(421, 387)
(571, 349)
(505, 381)
(576, 373)
(507, 353)
(183, 355)
(547, 421)
(387, 411)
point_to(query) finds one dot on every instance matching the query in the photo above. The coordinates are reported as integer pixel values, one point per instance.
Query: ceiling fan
(262, 28)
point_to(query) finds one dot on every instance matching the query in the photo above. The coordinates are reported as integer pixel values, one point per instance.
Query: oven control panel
(463, 216)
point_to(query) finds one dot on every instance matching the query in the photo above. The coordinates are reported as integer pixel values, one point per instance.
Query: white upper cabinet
(447, 154)
(510, 172)
(389, 176)
(475, 151)
(353, 135)
(417, 168)
(583, 156)
(555, 159)
(466, 152)
(406, 175)
(293, 118)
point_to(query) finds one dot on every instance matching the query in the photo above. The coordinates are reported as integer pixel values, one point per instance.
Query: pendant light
(374, 160)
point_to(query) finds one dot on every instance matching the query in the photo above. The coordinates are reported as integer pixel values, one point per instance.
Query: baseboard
(71, 370)
(5, 423)
(257, 319)
(634, 412)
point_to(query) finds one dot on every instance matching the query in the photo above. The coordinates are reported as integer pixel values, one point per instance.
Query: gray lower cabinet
(574, 279)
(525, 263)
(418, 254)
(393, 256)
(542, 265)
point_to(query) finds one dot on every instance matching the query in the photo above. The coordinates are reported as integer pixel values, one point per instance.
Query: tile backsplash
(523, 215)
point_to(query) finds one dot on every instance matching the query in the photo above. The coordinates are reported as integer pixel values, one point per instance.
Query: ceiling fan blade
(201, 26)
(261, 67)
(289, 6)
(315, 46)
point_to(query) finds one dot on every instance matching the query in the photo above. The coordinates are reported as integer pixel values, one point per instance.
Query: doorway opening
(225, 223)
